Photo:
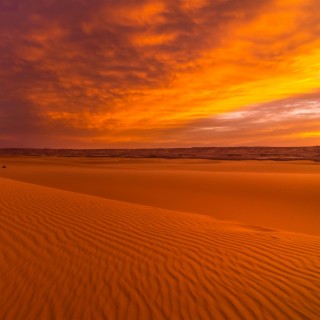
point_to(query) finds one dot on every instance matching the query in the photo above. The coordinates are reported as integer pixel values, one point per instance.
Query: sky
(159, 73)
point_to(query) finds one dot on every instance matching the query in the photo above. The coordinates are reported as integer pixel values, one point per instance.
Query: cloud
(113, 70)
(290, 121)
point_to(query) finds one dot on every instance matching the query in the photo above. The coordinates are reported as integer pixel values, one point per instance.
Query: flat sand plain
(275, 194)
(159, 239)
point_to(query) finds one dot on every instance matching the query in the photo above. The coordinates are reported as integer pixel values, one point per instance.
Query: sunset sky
(156, 73)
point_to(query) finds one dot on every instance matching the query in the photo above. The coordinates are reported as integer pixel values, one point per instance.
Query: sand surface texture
(279, 195)
(70, 255)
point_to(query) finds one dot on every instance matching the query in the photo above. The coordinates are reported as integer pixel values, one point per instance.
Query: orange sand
(280, 195)
(68, 255)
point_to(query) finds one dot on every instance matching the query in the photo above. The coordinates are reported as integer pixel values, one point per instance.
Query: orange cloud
(108, 73)
(151, 39)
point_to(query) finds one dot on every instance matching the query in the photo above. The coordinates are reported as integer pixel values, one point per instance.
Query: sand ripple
(66, 255)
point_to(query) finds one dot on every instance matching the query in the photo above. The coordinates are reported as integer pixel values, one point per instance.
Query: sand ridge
(67, 255)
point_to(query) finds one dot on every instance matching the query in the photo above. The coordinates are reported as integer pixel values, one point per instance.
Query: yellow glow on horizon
(308, 134)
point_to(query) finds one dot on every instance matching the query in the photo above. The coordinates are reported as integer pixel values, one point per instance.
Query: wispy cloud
(290, 121)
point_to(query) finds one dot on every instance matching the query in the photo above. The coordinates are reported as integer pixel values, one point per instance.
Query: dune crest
(66, 255)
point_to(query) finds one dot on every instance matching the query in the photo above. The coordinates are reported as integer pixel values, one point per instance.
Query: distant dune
(215, 153)
(67, 255)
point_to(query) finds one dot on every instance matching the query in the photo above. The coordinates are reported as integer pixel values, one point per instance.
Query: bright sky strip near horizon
(159, 73)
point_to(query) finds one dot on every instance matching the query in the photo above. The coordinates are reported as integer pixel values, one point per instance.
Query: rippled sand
(70, 255)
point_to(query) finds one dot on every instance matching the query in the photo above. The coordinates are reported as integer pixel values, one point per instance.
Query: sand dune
(273, 194)
(217, 153)
(67, 255)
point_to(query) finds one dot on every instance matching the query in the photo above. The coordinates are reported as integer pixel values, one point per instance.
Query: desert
(97, 238)
(159, 160)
